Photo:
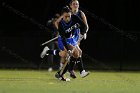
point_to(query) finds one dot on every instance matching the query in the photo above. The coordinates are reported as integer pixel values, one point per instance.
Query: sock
(80, 64)
(53, 52)
(72, 64)
(65, 70)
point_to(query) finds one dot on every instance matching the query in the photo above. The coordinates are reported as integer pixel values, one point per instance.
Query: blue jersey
(69, 32)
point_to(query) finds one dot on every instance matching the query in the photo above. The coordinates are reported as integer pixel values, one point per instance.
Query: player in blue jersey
(69, 29)
(74, 5)
(70, 26)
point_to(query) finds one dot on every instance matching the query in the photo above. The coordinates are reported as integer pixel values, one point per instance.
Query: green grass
(33, 81)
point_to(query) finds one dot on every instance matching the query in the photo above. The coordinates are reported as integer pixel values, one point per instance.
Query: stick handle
(49, 41)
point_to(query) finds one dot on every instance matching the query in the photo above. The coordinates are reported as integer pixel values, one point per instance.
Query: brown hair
(72, 1)
(65, 9)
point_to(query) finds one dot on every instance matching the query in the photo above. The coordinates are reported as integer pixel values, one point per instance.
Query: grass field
(37, 81)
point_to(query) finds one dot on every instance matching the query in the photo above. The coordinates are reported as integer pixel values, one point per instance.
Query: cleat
(58, 76)
(84, 74)
(44, 52)
(72, 74)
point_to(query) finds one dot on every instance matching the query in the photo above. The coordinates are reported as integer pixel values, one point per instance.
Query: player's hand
(85, 36)
(81, 37)
(69, 52)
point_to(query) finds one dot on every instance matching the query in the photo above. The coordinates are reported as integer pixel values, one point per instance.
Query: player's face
(74, 5)
(67, 17)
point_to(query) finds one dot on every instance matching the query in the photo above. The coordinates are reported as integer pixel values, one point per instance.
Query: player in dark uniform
(69, 28)
(74, 5)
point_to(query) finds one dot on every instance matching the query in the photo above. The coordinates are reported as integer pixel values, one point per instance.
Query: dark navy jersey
(66, 30)
(79, 14)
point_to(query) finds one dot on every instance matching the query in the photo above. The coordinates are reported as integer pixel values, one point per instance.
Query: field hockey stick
(65, 64)
(49, 41)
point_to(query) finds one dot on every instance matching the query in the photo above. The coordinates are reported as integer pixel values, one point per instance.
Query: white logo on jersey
(72, 28)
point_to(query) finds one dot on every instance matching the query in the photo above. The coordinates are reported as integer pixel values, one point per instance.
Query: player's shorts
(72, 41)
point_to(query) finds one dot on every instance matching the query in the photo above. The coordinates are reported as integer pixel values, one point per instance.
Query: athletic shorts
(72, 41)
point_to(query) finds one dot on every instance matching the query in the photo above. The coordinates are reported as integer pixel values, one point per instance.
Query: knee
(62, 54)
(76, 54)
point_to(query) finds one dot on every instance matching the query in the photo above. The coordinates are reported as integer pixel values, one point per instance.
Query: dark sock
(80, 64)
(72, 64)
(69, 66)
(64, 71)
(53, 52)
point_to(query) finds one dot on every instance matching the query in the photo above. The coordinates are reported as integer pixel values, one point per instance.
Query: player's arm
(56, 23)
(84, 19)
(62, 34)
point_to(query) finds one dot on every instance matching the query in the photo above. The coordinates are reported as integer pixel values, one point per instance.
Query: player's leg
(79, 63)
(71, 67)
(66, 63)
(63, 55)
(78, 59)
(61, 72)
(50, 58)
(73, 62)
(48, 51)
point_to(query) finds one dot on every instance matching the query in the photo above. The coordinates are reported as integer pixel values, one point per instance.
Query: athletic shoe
(84, 74)
(58, 76)
(44, 52)
(72, 74)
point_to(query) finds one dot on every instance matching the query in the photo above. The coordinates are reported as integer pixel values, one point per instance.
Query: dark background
(112, 42)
